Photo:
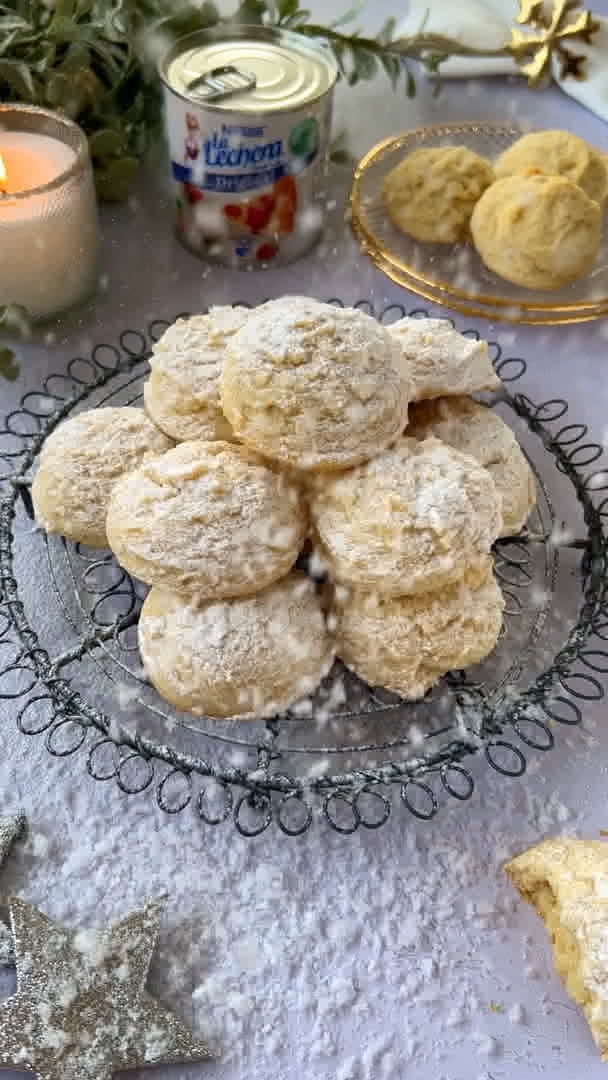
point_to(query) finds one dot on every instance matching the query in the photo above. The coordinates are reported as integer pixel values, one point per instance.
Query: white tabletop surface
(394, 954)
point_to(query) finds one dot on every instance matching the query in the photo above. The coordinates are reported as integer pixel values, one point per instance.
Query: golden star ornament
(81, 1010)
(550, 27)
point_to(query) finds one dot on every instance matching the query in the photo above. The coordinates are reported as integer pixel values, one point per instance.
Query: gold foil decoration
(81, 1010)
(550, 27)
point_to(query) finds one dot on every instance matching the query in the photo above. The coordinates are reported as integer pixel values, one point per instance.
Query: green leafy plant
(95, 60)
(9, 367)
(14, 322)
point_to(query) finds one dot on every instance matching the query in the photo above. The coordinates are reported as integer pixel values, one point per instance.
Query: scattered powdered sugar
(383, 955)
(487, 1045)
(517, 1014)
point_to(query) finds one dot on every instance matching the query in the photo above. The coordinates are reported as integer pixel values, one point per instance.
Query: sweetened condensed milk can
(248, 118)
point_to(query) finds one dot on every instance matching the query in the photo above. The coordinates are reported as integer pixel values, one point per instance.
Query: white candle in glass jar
(48, 214)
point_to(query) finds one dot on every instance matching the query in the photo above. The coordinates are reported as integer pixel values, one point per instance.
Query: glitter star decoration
(11, 828)
(550, 27)
(81, 1011)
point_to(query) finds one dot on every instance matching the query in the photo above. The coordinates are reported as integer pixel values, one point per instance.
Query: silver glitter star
(11, 828)
(81, 1011)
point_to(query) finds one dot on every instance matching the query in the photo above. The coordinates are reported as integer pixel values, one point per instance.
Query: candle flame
(3, 176)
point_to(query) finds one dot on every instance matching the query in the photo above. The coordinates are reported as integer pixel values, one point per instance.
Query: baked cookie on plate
(80, 462)
(246, 657)
(474, 429)
(207, 518)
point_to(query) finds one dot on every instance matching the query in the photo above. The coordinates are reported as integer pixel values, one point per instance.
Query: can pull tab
(222, 82)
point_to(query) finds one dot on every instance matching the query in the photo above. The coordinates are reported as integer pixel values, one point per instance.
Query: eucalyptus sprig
(95, 60)
(14, 322)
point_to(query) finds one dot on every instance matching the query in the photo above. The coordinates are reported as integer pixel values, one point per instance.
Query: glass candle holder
(48, 211)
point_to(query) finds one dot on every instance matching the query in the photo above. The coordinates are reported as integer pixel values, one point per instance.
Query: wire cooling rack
(69, 659)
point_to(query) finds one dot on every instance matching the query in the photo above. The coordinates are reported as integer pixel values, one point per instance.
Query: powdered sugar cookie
(412, 520)
(208, 518)
(438, 361)
(313, 386)
(182, 394)
(566, 880)
(245, 657)
(81, 461)
(474, 429)
(406, 643)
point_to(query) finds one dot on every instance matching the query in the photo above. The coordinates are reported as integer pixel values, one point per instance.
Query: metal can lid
(290, 71)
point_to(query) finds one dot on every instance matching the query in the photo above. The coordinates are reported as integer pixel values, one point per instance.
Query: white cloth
(486, 24)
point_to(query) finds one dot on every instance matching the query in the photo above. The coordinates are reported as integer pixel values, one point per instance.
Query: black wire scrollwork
(259, 790)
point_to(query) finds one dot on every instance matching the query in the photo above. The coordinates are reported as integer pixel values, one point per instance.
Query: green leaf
(9, 366)
(339, 55)
(387, 32)
(432, 61)
(58, 89)
(297, 21)
(348, 16)
(392, 67)
(183, 20)
(65, 8)
(45, 59)
(15, 320)
(366, 63)
(9, 23)
(72, 93)
(410, 84)
(18, 78)
(77, 59)
(250, 11)
(106, 143)
(114, 179)
(7, 41)
(209, 14)
(286, 9)
(65, 29)
(339, 152)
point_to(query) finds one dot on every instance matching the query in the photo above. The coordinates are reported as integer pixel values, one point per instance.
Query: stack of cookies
(289, 422)
(534, 215)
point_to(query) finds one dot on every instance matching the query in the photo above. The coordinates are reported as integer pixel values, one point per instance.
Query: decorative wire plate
(453, 274)
(69, 659)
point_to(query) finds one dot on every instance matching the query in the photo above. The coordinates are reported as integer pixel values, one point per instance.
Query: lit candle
(48, 215)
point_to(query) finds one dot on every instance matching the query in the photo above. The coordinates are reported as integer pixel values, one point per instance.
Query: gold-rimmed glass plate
(454, 274)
